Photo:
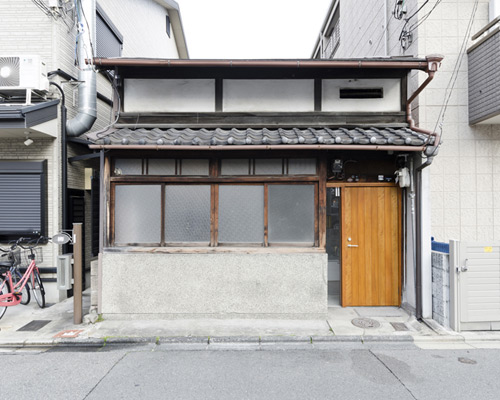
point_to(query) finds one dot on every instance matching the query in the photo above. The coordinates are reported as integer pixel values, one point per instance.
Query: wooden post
(77, 273)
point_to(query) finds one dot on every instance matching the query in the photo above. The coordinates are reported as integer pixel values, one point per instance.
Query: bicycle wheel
(38, 290)
(26, 296)
(4, 289)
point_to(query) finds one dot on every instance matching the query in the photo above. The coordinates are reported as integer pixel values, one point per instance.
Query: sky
(252, 29)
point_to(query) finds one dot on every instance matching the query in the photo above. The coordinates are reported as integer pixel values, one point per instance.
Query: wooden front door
(371, 246)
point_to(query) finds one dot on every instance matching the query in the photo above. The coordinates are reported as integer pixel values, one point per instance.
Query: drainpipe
(87, 92)
(430, 151)
(64, 157)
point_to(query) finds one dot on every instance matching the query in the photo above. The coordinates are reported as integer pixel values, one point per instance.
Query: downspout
(430, 152)
(87, 92)
(64, 157)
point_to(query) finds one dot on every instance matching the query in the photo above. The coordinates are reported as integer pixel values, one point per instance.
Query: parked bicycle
(12, 289)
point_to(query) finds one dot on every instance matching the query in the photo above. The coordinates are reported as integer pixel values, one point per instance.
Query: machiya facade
(258, 189)
(40, 44)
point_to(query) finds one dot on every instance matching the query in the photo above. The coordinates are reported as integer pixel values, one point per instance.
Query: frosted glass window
(235, 167)
(128, 166)
(291, 214)
(159, 166)
(272, 166)
(302, 166)
(241, 214)
(187, 213)
(195, 167)
(137, 214)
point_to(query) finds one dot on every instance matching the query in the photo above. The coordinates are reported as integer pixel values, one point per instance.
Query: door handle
(352, 245)
(465, 266)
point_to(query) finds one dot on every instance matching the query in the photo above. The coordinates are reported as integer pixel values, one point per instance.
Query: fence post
(454, 289)
(77, 273)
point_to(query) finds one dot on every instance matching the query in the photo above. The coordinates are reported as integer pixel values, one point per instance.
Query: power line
(454, 74)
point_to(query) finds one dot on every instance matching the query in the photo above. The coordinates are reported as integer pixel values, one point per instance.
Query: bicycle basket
(15, 257)
(26, 256)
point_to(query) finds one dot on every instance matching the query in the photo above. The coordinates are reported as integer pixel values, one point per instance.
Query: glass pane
(234, 167)
(137, 214)
(273, 166)
(302, 166)
(291, 213)
(187, 213)
(194, 167)
(333, 244)
(241, 214)
(128, 166)
(158, 166)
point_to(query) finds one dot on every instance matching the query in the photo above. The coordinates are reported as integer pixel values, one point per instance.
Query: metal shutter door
(20, 203)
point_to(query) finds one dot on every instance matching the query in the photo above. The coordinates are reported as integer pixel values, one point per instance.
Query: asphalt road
(340, 372)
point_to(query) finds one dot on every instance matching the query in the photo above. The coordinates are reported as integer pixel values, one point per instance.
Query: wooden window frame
(215, 180)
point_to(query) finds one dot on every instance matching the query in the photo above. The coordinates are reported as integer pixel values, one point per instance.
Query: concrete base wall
(441, 288)
(214, 285)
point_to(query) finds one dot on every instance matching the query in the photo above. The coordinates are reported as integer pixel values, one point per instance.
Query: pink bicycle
(11, 290)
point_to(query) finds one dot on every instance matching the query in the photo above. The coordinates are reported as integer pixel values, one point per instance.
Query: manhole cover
(399, 326)
(365, 323)
(34, 325)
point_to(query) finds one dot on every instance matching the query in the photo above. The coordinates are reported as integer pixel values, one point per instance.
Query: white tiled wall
(465, 196)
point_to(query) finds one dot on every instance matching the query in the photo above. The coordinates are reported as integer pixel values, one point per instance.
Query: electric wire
(454, 74)
(91, 58)
(101, 132)
(417, 24)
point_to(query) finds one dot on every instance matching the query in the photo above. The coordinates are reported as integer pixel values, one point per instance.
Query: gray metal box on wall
(64, 271)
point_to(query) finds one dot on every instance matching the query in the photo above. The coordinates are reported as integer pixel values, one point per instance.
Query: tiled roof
(280, 136)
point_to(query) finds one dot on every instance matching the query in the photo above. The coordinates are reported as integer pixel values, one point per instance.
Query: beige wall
(214, 285)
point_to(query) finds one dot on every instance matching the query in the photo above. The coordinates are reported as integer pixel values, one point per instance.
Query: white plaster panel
(167, 95)
(262, 95)
(215, 285)
(390, 102)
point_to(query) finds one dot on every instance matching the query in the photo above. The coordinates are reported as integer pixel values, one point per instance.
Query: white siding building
(140, 28)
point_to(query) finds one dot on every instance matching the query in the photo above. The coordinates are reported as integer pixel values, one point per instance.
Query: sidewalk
(53, 326)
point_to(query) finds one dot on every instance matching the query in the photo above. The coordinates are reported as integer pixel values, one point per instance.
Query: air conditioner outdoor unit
(23, 72)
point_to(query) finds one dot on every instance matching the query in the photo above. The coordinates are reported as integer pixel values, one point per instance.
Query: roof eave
(257, 147)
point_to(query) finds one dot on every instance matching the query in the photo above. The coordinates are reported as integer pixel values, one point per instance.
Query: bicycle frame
(14, 298)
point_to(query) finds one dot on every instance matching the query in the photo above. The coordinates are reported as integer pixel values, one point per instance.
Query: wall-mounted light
(28, 141)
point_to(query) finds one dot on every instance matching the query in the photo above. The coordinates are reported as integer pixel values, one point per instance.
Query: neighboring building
(38, 44)
(223, 182)
(461, 197)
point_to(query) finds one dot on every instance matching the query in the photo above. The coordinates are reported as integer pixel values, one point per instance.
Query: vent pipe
(87, 92)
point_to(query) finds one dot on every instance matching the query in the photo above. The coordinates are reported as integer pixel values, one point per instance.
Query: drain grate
(399, 326)
(365, 323)
(34, 325)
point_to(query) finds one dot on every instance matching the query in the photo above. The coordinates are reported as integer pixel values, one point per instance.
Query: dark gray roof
(25, 116)
(227, 137)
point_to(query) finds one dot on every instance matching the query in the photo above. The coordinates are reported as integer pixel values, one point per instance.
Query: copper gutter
(434, 62)
(256, 147)
(134, 62)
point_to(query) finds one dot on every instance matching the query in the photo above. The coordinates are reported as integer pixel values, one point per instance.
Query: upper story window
(109, 40)
(168, 25)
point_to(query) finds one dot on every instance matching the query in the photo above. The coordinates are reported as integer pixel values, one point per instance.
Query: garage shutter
(22, 202)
